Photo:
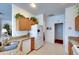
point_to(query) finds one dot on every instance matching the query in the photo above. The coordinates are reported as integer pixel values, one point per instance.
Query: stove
(75, 49)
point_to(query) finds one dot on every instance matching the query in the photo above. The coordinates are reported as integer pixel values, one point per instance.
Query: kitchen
(19, 38)
(26, 30)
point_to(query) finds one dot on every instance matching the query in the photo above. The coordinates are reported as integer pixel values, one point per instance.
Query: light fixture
(33, 5)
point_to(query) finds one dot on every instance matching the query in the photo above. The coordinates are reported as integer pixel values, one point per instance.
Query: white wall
(51, 21)
(15, 10)
(40, 19)
(70, 14)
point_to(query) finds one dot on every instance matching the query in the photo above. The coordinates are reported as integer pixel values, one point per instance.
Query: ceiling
(46, 8)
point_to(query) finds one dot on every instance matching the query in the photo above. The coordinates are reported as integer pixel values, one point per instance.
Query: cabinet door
(70, 48)
(28, 24)
(32, 44)
(23, 24)
(77, 23)
(26, 46)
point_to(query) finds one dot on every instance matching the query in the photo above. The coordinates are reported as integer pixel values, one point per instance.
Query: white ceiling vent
(51, 15)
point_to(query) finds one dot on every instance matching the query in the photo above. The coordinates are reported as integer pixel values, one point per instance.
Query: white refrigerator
(37, 33)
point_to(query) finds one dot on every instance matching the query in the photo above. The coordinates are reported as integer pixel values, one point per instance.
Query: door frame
(55, 33)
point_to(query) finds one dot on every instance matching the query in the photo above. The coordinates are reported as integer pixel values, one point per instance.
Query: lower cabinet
(23, 48)
(70, 52)
(32, 44)
(26, 46)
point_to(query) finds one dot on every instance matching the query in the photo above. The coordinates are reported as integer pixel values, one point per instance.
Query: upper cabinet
(77, 23)
(77, 18)
(23, 24)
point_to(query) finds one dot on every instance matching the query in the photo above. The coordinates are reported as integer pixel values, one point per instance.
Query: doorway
(59, 33)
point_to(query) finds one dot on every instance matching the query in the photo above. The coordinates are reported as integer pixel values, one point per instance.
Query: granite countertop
(74, 40)
(20, 38)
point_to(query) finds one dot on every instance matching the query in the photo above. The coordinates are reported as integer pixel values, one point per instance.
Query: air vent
(50, 15)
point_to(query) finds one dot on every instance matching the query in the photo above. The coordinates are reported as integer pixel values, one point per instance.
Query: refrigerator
(37, 33)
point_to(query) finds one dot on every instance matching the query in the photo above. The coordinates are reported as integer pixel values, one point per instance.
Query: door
(59, 33)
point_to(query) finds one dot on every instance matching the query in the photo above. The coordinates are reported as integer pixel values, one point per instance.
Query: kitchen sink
(10, 46)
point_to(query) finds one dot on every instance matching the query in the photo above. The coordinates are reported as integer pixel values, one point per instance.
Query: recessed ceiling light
(33, 5)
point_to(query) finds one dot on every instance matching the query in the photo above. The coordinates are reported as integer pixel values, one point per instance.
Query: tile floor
(49, 49)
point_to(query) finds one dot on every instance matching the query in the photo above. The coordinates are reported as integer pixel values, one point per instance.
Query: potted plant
(34, 20)
(77, 9)
(18, 15)
(7, 27)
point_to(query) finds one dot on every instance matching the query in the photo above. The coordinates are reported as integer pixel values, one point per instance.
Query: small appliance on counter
(37, 33)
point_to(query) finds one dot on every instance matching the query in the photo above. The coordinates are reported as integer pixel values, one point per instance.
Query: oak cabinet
(77, 23)
(23, 24)
(70, 52)
(32, 44)
(32, 22)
